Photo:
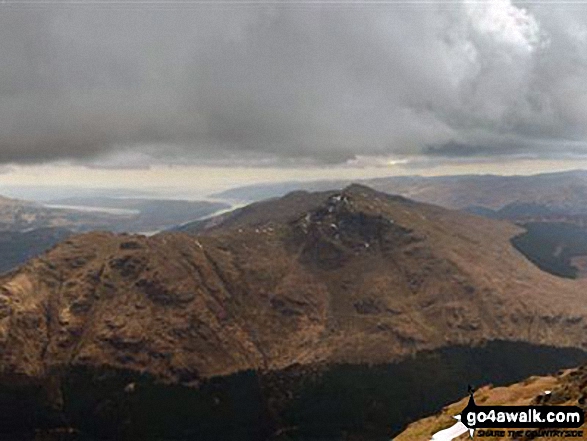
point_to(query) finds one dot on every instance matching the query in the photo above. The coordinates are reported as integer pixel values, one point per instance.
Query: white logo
(459, 428)
(452, 432)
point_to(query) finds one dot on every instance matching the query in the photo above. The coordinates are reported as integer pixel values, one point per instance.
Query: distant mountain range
(149, 214)
(102, 213)
(329, 315)
(28, 228)
(560, 192)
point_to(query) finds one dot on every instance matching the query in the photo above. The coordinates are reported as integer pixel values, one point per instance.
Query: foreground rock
(566, 388)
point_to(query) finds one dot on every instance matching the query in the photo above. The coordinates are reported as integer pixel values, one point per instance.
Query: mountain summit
(345, 277)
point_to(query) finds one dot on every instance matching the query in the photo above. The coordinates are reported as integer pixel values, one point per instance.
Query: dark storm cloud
(288, 84)
(459, 150)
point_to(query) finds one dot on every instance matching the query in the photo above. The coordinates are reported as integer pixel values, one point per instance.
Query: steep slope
(565, 388)
(293, 286)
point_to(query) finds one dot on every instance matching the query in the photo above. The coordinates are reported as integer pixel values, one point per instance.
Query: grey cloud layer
(290, 83)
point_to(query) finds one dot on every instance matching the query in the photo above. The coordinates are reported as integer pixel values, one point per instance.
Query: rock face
(348, 277)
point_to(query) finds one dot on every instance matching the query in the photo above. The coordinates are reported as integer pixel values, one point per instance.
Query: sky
(221, 93)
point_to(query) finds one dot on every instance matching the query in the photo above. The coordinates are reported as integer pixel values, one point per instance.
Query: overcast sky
(111, 85)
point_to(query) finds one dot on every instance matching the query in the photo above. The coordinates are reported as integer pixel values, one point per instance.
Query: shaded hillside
(554, 247)
(18, 247)
(288, 290)
(360, 402)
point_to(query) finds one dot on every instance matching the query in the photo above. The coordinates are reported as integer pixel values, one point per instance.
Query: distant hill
(283, 318)
(87, 214)
(17, 247)
(552, 206)
(151, 214)
(559, 192)
(258, 192)
(29, 228)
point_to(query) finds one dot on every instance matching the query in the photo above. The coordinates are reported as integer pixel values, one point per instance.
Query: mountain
(312, 315)
(29, 228)
(561, 192)
(26, 230)
(21, 215)
(102, 213)
(17, 214)
(147, 214)
(552, 207)
(565, 388)
(17, 247)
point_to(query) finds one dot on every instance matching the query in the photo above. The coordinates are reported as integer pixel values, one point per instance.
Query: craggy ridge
(323, 279)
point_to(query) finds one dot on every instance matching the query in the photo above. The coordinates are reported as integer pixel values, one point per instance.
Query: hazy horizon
(186, 183)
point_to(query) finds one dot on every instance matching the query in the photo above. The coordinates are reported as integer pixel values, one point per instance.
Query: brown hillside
(380, 274)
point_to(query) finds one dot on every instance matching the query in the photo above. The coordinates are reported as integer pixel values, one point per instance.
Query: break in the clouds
(133, 84)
